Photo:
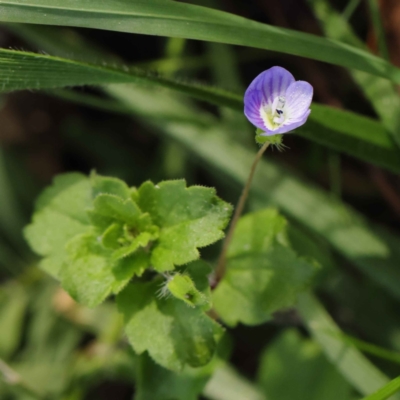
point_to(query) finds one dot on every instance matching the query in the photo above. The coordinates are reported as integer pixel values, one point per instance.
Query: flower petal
(272, 83)
(252, 105)
(289, 127)
(298, 99)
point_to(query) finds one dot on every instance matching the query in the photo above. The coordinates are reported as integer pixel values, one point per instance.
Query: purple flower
(276, 103)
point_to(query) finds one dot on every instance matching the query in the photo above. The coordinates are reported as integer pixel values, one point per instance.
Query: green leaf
(47, 235)
(199, 272)
(290, 358)
(114, 208)
(388, 390)
(141, 240)
(175, 19)
(188, 218)
(69, 195)
(109, 185)
(38, 71)
(60, 215)
(109, 209)
(91, 272)
(61, 232)
(125, 268)
(190, 286)
(95, 242)
(111, 236)
(263, 274)
(87, 274)
(174, 334)
(182, 287)
(311, 246)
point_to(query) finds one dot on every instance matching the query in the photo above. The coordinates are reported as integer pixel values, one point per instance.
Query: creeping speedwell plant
(103, 239)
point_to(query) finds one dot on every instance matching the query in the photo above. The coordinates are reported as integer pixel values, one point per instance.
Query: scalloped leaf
(109, 185)
(292, 358)
(60, 215)
(174, 334)
(263, 274)
(188, 218)
(96, 242)
(192, 285)
(90, 275)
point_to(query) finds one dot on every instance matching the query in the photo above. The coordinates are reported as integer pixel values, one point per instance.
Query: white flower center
(274, 115)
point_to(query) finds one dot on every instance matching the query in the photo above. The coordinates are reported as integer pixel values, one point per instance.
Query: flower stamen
(274, 115)
(277, 109)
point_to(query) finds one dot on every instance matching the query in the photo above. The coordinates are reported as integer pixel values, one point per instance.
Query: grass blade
(378, 28)
(227, 384)
(372, 349)
(350, 8)
(357, 369)
(174, 19)
(381, 93)
(391, 388)
(358, 136)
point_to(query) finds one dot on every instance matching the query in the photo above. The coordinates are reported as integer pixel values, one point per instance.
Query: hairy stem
(220, 270)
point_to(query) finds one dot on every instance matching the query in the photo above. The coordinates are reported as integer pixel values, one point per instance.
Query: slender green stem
(220, 270)
(378, 28)
(350, 8)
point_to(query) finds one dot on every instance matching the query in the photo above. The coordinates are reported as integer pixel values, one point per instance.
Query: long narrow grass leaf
(388, 390)
(355, 135)
(227, 384)
(175, 19)
(350, 8)
(378, 28)
(381, 93)
(355, 368)
(372, 349)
